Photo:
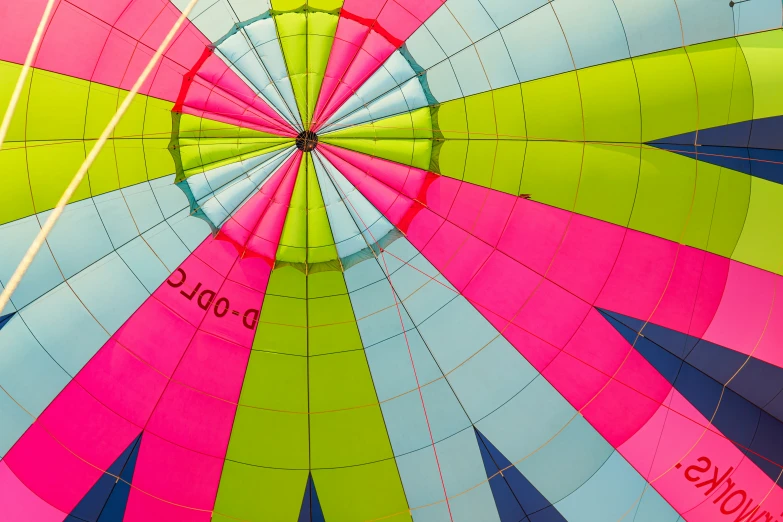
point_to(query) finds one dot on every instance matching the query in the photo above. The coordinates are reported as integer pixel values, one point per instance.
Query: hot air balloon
(392, 260)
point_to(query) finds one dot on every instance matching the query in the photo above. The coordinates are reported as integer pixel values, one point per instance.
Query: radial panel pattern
(399, 260)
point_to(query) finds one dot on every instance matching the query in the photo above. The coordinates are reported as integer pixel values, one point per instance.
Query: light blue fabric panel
(593, 30)
(79, 238)
(650, 25)
(705, 20)
(447, 32)
(653, 508)
(110, 308)
(758, 15)
(43, 274)
(24, 361)
(496, 61)
(612, 493)
(504, 12)
(463, 469)
(470, 72)
(537, 45)
(65, 328)
(490, 378)
(473, 18)
(424, 48)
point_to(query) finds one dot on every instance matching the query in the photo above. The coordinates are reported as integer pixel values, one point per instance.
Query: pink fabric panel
(640, 275)
(185, 289)
(679, 451)
(115, 364)
(375, 29)
(233, 314)
(502, 285)
(85, 427)
(176, 475)
(482, 212)
(551, 313)
(194, 420)
(586, 256)
(466, 262)
(214, 366)
(151, 322)
(116, 56)
(49, 470)
(743, 313)
(533, 234)
(72, 52)
(109, 12)
(19, 504)
(113, 61)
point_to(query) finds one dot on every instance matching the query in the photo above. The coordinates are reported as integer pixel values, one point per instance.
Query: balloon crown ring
(307, 141)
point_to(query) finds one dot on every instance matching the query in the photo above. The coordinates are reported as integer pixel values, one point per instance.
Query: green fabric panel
(311, 410)
(242, 488)
(764, 54)
(355, 435)
(416, 153)
(480, 109)
(732, 200)
(551, 173)
(510, 113)
(608, 182)
(292, 32)
(665, 193)
(761, 244)
(293, 240)
(366, 503)
(611, 103)
(553, 109)
(320, 243)
(55, 126)
(667, 93)
(723, 82)
(450, 120)
(509, 162)
(306, 32)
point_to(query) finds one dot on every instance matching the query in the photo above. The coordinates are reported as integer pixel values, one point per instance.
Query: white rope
(28, 62)
(27, 260)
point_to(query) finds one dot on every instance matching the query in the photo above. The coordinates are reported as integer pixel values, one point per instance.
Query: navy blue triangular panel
(749, 409)
(5, 318)
(755, 148)
(107, 499)
(516, 498)
(311, 507)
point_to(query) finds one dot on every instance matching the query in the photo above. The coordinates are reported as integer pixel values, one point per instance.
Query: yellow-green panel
(551, 173)
(553, 108)
(16, 200)
(480, 162)
(320, 243)
(451, 119)
(723, 82)
(611, 102)
(510, 113)
(351, 494)
(665, 194)
(293, 240)
(243, 488)
(667, 93)
(481, 116)
(731, 206)
(764, 54)
(608, 183)
(761, 243)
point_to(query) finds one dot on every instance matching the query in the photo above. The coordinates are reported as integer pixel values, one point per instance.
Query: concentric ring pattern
(396, 260)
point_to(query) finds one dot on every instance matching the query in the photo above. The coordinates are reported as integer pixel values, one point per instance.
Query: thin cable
(28, 62)
(39, 240)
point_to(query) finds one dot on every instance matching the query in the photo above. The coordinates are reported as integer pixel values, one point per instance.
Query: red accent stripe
(189, 77)
(373, 25)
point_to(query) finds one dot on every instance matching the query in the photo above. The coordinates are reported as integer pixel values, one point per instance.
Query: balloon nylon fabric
(380, 260)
